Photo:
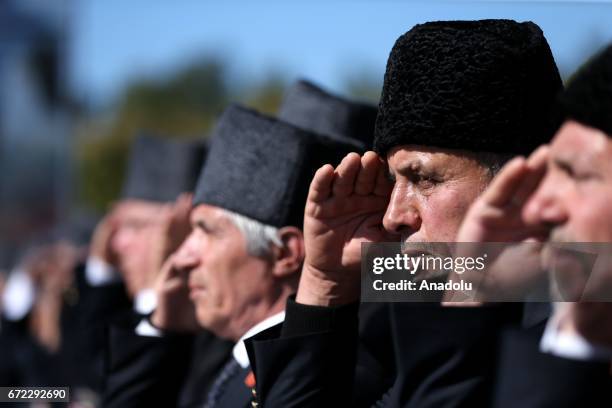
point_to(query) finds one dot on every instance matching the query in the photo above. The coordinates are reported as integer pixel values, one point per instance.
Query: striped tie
(230, 369)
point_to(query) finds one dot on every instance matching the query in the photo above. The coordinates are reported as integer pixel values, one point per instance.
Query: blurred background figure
(60, 298)
(135, 237)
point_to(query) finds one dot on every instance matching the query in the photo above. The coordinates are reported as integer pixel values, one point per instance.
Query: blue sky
(115, 41)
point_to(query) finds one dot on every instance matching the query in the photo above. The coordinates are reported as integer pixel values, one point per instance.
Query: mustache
(416, 248)
(560, 236)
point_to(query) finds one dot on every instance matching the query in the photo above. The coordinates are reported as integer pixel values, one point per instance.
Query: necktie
(230, 369)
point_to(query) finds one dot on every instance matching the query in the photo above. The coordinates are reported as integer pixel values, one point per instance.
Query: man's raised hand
(345, 207)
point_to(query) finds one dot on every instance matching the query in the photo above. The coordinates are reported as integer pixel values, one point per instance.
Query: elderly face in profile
(432, 190)
(136, 220)
(574, 197)
(234, 277)
(573, 201)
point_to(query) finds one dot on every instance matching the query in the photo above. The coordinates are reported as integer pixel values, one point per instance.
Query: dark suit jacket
(23, 362)
(447, 356)
(160, 371)
(236, 394)
(529, 378)
(207, 357)
(443, 356)
(324, 357)
(86, 315)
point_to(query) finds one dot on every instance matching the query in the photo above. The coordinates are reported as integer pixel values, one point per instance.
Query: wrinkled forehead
(582, 145)
(216, 220)
(208, 213)
(415, 157)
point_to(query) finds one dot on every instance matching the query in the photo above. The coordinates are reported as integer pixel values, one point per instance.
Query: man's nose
(121, 240)
(546, 206)
(188, 255)
(402, 216)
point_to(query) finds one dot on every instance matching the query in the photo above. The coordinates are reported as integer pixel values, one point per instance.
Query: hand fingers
(182, 207)
(383, 185)
(536, 164)
(506, 183)
(538, 158)
(346, 174)
(366, 178)
(166, 273)
(184, 200)
(168, 270)
(320, 186)
(108, 225)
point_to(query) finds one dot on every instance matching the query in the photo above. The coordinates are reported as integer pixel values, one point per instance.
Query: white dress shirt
(145, 328)
(570, 345)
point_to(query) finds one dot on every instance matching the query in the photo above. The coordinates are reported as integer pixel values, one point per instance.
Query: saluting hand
(174, 311)
(496, 217)
(345, 207)
(168, 233)
(100, 242)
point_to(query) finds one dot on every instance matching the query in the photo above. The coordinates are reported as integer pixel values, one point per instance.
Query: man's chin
(557, 239)
(203, 317)
(215, 324)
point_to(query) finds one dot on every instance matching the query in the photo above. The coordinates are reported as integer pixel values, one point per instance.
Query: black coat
(324, 357)
(236, 394)
(442, 356)
(529, 378)
(86, 311)
(172, 370)
(24, 362)
(86, 316)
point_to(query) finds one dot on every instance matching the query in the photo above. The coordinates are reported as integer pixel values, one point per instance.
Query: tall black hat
(588, 97)
(160, 169)
(486, 85)
(309, 107)
(261, 167)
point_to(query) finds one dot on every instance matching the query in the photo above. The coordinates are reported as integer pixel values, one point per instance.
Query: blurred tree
(183, 105)
(364, 85)
(266, 96)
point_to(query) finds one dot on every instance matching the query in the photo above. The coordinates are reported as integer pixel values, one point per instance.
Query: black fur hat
(159, 169)
(588, 97)
(261, 167)
(486, 85)
(309, 107)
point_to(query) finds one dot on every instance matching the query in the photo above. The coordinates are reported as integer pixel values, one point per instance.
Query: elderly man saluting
(459, 98)
(565, 190)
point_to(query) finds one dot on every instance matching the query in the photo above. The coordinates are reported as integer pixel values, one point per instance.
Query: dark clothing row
(171, 371)
(443, 357)
(79, 362)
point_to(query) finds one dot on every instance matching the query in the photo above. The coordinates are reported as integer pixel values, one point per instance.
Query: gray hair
(260, 238)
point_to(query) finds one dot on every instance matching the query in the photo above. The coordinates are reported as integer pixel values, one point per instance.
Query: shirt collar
(239, 351)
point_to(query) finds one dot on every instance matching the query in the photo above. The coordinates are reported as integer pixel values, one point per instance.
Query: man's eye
(424, 180)
(203, 227)
(577, 175)
(584, 177)
(136, 225)
(427, 183)
(569, 171)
